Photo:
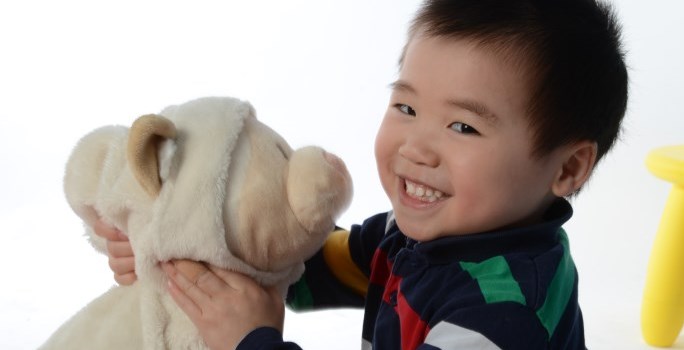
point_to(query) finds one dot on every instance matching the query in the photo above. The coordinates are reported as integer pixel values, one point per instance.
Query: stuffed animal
(206, 181)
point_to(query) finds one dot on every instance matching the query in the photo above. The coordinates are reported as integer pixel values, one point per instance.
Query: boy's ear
(580, 159)
(144, 139)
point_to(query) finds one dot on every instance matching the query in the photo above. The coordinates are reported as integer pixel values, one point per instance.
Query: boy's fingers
(183, 301)
(192, 270)
(233, 279)
(274, 293)
(122, 266)
(200, 275)
(125, 279)
(187, 287)
(119, 249)
(108, 232)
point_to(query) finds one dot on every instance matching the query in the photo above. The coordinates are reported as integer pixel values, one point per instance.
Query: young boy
(501, 109)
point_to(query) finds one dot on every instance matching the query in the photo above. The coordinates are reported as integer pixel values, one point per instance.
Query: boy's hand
(224, 305)
(119, 251)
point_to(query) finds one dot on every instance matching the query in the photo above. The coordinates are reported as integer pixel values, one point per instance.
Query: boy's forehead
(465, 74)
(506, 54)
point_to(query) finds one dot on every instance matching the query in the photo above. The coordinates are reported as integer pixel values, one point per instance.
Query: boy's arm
(232, 310)
(338, 275)
(331, 278)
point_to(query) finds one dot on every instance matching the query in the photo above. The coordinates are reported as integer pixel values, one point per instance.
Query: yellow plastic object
(662, 310)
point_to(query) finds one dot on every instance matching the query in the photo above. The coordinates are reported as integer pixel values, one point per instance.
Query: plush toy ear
(144, 140)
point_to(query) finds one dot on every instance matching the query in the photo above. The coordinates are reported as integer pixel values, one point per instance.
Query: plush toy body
(204, 181)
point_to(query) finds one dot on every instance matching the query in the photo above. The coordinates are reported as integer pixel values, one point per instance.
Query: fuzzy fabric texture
(206, 181)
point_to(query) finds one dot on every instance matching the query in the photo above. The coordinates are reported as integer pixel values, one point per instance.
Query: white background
(317, 72)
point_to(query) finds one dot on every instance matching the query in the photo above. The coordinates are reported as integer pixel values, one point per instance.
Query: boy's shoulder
(525, 276)
(502, 296)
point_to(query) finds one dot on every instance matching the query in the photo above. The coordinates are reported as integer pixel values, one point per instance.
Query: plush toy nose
(335, 161)
(319, 188)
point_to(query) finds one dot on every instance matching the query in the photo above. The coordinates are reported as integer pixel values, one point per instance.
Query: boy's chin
(418, 232)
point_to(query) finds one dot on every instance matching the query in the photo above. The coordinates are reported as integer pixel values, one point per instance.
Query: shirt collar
(475, 247)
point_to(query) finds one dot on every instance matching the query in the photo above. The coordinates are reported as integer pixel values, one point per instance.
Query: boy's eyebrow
(469, 105)
(400, 85)
(477, 108)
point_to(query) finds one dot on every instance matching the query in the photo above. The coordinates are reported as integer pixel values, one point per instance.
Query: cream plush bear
(204, 181)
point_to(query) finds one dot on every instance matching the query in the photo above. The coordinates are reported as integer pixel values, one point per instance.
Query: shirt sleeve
(337, 275)
(330, 280)
(265, 338)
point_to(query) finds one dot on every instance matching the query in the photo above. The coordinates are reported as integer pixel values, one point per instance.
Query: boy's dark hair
(569, 49)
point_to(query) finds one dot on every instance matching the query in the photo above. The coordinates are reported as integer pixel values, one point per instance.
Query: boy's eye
(463, 128)
(406, 109)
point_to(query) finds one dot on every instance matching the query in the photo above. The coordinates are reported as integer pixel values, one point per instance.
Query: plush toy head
(203, 181)
(207, 181)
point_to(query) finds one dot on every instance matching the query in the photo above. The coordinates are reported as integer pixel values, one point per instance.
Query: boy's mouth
(421, 192)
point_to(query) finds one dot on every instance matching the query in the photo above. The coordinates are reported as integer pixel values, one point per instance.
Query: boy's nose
(419, 150)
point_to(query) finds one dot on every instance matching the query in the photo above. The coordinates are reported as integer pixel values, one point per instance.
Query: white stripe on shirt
(450, 336)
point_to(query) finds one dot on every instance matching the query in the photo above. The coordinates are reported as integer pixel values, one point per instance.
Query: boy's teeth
(422, 193)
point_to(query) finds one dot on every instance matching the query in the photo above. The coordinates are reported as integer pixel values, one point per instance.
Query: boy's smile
(454, 148)
(422, 193)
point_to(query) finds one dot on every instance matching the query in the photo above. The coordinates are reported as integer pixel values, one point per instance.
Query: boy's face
(454, 148)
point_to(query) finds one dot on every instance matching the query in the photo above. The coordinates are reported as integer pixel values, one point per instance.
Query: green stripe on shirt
(303, 299)
(560, 290)
(495, 280)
